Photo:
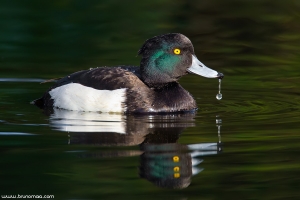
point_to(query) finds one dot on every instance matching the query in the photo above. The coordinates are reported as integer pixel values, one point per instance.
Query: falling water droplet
(219, 95)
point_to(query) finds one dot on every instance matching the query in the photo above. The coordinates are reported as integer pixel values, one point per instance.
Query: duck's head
(165, 58)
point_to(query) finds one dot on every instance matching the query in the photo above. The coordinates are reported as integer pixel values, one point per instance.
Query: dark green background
(255, 43)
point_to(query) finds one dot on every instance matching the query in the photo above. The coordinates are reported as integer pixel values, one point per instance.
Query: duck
(152, 87)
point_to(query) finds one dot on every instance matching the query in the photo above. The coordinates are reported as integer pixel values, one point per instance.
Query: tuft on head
(171, 38)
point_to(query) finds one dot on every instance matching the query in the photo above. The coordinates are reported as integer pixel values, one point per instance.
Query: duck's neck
(163, 86)
(171, 96)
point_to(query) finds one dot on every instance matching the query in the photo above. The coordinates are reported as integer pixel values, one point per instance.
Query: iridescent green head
(165, 58)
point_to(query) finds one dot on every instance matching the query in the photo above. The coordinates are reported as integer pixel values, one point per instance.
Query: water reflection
(163, 161)
(169, 164)
(113, 129)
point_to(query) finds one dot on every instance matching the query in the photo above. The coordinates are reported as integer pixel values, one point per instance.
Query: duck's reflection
(163, 161)
(169, 164)
(114, 129)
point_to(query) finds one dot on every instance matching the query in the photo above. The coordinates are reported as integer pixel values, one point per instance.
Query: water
(219, 95)
(243, 147)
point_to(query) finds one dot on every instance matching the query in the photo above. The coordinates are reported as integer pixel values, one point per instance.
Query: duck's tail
(38, 102)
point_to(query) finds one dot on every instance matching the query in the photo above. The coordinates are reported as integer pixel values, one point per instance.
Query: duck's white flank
(75, 96)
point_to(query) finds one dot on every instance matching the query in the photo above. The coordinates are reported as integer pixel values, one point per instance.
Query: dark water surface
(245, 146)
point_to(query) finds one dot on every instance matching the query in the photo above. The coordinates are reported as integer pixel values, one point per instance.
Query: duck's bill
(199, 68)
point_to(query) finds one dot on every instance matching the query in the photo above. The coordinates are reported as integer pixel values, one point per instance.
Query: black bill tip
(220, 75)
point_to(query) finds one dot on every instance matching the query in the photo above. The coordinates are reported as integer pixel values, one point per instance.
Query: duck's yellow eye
(177, 51)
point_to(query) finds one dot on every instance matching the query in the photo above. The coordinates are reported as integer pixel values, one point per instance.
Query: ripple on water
(256, 105)
(15, 134)
(21, 80)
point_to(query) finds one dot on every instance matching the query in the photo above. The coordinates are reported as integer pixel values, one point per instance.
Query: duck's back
(106, 89)
(103, 78)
